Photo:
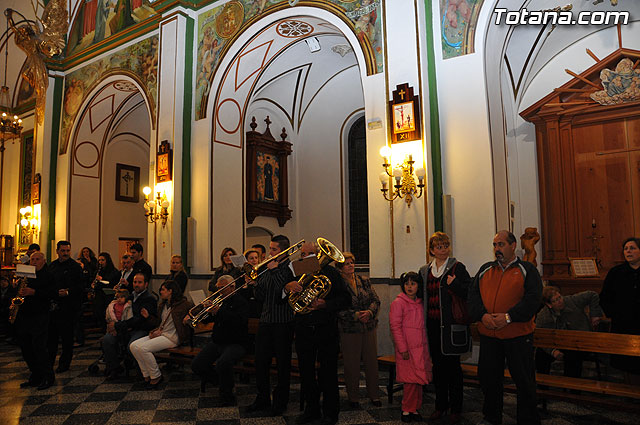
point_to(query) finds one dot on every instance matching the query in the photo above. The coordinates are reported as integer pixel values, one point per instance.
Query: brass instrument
(200, 311)
(315, 285)
(16, 302)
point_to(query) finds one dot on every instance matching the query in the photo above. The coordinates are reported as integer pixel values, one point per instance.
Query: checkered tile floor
(79, 397)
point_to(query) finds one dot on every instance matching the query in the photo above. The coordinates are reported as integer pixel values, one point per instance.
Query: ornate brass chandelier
(10, 124)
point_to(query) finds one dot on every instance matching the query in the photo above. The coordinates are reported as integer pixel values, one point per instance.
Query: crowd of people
(429, 323)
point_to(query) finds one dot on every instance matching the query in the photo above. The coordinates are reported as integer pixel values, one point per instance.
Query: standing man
(139, 265)
(131, 329)
(32, 323)
(126, 274)
(65, 306)
(262, 249)
(504, 298)
(317, 338)
(275, 332)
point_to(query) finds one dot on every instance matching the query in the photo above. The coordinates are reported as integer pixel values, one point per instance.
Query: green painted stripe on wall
(58, 87)
(186, 134)
(434, 120)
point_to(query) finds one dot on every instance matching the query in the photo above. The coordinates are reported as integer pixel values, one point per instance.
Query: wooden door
(604, 189)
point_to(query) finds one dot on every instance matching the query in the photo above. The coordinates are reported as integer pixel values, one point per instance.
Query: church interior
(189, 126)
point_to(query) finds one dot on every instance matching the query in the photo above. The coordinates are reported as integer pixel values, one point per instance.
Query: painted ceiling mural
(218, 25)
(140, 61)
(458, 20)
(97, 20)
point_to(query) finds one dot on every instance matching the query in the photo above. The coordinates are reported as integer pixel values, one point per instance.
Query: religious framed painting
(267, 184)
(164, 161)
(127, 183)
(404, 110)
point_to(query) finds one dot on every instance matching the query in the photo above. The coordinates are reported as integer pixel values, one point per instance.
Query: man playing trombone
(229, 339)
(275, 330)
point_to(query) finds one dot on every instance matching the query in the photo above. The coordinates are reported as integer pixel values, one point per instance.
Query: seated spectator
(226, 267)
(24, 259)
(228, 342)
(566, 312)
(171, 332)
(107, 277)
(255, 307)
(131, 329)
(120, 308)
(178, 273)
(7, 293)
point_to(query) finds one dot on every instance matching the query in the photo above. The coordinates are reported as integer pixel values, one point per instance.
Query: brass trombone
(200, 311)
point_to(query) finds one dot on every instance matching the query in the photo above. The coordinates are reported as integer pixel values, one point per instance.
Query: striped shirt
(269, 289)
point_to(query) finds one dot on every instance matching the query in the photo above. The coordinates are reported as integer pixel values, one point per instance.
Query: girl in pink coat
(413, 363)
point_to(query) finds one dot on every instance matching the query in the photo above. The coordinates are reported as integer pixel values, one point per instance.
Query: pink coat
(406, 320)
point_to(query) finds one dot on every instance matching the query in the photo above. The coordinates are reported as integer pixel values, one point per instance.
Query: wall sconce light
(404, 176)
(29, 223)
(157, 209)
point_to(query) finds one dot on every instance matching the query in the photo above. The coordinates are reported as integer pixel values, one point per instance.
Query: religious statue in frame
(405, 115)
(164, 161)
(267, 184)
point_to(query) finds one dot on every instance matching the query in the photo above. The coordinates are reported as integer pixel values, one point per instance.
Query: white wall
(466, 148)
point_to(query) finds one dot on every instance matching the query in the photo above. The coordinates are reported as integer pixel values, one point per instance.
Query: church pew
(595, 342)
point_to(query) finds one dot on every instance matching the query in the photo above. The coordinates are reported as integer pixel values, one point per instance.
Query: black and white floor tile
(78, 397)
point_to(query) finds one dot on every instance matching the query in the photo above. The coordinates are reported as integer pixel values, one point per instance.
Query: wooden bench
(593, 342)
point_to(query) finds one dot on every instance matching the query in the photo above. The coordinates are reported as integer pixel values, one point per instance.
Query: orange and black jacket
(516, 290)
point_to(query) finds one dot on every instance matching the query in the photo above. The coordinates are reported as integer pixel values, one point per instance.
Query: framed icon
(404, 110)
(164, 162)
(127, 183)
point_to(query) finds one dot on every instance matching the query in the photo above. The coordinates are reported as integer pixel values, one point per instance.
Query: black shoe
(328, 421)
(415, 417)
(228, 400)
(46, 384)
(62, 369)
(152, 386)
(307, 417)
(114, 373)
(258, 406)
(28, 384)
(405, 418)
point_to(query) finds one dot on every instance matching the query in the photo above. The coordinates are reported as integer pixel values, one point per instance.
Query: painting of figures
(98, 20)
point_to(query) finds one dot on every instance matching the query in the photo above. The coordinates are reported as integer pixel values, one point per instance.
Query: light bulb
(165, 204)
(146, 190)
(24, 222)
(384, 178)
(385, 152)
(421, 173)
(397, 173)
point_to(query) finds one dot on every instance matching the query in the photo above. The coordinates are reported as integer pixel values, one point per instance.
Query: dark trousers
(319, 343)
(447, 373)
(572, 362)
(225, 357)
(61, 325)
(273, 339)
(113, 346)
(32, 336)
(519, 355)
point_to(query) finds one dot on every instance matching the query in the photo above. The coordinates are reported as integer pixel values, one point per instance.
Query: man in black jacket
(131, 329)
(228, 343)
(66, 304)
(139, 265)
(32, 323)
(317, 338)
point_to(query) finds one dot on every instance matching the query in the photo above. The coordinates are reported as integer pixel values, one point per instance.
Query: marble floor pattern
(78, 397)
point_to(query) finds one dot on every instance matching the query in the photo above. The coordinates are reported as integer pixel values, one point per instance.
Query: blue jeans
(111, 346)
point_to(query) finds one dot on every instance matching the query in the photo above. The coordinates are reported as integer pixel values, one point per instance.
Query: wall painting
(458, 20)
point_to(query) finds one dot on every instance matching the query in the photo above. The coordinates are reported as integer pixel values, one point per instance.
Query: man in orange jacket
(504, 298)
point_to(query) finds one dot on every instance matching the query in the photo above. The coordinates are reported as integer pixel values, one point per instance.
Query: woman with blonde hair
(446, 282)
(178, 273)
(358, 333)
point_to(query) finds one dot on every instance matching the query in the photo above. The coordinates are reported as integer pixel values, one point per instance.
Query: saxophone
(16, 302)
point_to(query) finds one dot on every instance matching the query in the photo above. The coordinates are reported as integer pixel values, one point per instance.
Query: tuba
(315, 285)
